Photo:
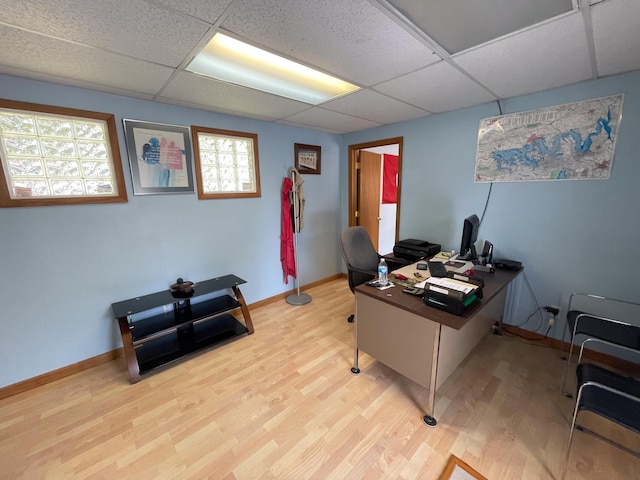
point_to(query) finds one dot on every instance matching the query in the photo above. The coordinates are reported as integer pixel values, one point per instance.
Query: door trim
(353, 187)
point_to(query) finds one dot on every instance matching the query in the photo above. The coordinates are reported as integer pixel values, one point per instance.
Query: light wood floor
(282, 404)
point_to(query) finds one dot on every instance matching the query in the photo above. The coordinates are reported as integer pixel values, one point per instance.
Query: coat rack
(296, 298)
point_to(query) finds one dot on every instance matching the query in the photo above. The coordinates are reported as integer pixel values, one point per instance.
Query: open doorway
(375, 173)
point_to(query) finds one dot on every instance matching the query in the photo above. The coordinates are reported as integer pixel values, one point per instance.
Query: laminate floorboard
(282, 404)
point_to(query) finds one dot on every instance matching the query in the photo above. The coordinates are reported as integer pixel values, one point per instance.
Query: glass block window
(226, 163)
(58, 156)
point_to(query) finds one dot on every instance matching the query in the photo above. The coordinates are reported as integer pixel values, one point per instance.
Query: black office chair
(585, 316)
(360, 256)
(608, 394)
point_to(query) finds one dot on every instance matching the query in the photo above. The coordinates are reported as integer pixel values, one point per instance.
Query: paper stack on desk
(453, 293)
(442, 256)
(451, 287)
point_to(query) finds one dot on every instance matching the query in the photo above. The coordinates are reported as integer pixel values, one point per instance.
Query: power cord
(537, 310)
(523, 339)
(554, 311)
(486, 203)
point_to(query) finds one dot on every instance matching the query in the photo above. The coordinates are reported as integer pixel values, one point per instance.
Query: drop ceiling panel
(616, 33)
(351, 39)
(207, 10)
(135, 28)
(551, 55)
(139, 48)
(317, 117)
(458, 25)
(437, 88)
(375, 107)
(30, 52)
(215, 95)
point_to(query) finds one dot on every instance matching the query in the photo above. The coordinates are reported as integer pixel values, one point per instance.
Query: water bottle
(383, 270)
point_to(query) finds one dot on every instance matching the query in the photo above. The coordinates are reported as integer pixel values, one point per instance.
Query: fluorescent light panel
(230, 60)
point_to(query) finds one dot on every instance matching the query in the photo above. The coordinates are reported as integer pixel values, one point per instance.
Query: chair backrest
(601, 306)
(359, 255)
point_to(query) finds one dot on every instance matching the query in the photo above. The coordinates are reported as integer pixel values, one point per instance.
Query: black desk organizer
(190, 325)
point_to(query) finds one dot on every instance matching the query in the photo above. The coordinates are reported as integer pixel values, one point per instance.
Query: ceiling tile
(131, 47)
(616, 33)
(135, 28)
(437, 88)
(351, 39)
(316, 128)
(551, 55)
(375, 107)
(457, 25)
(31, 52)
(207, 10)
(207, 92)
(317, 117)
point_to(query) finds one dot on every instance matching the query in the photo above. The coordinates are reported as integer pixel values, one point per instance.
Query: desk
(418, 341)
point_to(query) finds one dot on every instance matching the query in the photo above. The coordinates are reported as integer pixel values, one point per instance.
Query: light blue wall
(62, 267)
(571, 236)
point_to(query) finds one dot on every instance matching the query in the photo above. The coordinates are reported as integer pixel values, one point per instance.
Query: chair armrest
(611, 389)
(611, 344)
(366, 272)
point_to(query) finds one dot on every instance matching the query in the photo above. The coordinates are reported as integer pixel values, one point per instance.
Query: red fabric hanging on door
(390, 179)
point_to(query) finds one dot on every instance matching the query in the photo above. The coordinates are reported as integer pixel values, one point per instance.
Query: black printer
(415, 250)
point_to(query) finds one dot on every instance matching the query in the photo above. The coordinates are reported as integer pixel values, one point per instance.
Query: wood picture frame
(457, 469)
(242, 164)
(160, 157)
(307, 158)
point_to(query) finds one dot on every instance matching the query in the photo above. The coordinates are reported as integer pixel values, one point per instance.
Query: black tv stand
(183, 324)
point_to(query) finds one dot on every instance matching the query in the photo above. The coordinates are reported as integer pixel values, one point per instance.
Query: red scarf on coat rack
(287, 253)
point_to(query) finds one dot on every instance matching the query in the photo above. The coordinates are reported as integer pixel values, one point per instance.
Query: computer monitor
(469, 238)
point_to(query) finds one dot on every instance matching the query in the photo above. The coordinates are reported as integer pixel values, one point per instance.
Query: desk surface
(493, 284)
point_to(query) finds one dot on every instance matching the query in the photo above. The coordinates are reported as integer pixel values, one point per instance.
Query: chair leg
(564, 335)
(569, 355)
(566, 370)
(573, 425)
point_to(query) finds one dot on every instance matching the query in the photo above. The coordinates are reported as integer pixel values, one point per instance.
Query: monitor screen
(469, 238)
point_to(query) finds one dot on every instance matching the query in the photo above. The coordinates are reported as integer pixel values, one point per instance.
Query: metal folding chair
(608, 394)
(600, 321)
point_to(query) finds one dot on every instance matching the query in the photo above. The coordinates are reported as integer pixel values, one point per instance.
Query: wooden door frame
(353, 187)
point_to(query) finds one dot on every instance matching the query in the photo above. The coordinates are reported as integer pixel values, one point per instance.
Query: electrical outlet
(551, 320)
(552, 309)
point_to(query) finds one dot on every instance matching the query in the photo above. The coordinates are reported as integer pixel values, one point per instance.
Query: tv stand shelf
(155, 338)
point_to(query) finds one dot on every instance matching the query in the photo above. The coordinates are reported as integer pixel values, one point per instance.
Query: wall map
(575, 141)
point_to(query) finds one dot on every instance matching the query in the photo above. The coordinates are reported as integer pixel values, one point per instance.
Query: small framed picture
(160, 157)
(307, 158)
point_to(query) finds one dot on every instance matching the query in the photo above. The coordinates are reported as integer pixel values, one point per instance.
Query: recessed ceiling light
(230, 60)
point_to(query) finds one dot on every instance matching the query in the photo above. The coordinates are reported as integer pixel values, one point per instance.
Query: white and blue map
(575, 141)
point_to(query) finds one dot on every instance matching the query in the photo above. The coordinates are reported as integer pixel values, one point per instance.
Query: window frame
(202, 195)
(118, 173)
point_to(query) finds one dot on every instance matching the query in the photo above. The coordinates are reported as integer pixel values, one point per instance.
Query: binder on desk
(448, 304)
